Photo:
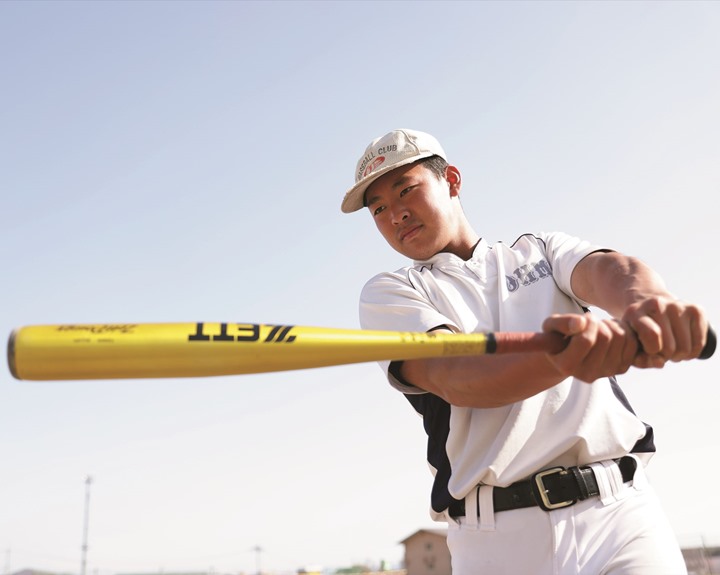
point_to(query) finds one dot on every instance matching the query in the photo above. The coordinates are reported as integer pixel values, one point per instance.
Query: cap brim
(354, 199)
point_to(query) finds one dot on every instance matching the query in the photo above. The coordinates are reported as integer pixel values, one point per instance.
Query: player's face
(417, 213)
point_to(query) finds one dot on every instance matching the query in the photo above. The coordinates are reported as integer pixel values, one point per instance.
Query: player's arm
(667, 328)
(481, 381)
(605, 348)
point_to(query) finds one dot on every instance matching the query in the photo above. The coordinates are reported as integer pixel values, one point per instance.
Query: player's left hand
(596, 348)
(667, 329)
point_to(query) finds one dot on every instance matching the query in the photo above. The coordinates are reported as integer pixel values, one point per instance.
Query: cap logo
(393, 150)
(373, 165)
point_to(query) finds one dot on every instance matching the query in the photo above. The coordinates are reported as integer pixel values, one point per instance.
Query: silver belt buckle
(542, 492)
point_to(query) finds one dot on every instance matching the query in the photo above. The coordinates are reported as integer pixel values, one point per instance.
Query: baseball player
(538, 459)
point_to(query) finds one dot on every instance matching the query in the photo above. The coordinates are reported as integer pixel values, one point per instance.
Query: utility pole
(83, 564)
(258, 551)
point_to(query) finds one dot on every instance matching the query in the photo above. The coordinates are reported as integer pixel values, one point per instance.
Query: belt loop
(486, 507)
(615, 476)
(609, 479)
(471, 508)
(604, 486)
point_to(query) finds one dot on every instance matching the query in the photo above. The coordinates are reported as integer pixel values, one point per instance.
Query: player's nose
(399, 214)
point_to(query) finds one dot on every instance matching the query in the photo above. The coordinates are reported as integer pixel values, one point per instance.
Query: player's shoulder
(538, 238)
(552, 241)
(389, 278)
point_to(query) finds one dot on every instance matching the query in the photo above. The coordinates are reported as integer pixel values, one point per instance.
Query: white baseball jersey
(503, 288)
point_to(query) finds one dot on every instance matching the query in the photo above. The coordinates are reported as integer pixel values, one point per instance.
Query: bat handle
(553, 342)
(710, 344)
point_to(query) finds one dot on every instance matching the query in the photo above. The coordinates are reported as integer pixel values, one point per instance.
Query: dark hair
(435, 164)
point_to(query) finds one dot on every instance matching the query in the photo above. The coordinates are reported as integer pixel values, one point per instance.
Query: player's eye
(378, 210)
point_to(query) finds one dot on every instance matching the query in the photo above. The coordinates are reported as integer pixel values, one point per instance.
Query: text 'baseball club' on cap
(398, 148)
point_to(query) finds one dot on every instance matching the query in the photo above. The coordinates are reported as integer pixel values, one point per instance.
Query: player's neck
(463, 246)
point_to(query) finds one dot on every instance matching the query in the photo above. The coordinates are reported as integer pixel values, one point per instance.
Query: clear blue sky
(185, 161)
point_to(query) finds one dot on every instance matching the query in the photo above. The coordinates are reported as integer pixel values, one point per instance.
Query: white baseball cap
(398, 148)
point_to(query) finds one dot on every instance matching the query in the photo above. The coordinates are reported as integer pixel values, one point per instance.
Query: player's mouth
(409, 232)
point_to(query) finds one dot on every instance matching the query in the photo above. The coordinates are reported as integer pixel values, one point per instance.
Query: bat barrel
(133, 351)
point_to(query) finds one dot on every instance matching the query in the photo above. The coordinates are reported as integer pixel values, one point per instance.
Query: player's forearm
(482, 381)
(612, 281)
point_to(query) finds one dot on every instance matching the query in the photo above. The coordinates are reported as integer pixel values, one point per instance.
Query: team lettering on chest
(528, 274)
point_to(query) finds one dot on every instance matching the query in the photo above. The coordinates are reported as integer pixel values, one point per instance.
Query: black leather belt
(550, 489)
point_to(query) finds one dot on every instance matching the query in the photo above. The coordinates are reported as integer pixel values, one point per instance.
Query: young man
(538, 458)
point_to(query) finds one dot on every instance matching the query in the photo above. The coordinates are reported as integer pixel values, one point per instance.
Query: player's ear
(452, 175)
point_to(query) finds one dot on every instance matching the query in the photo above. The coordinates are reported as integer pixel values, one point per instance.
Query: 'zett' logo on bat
(243, 332)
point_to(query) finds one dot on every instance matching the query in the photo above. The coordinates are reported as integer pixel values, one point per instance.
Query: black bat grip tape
(710, 344)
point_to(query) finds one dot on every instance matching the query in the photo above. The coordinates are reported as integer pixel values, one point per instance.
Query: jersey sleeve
(390, 302)
(564, 252)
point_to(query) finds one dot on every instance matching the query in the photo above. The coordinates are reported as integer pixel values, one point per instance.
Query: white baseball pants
(622, 532)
